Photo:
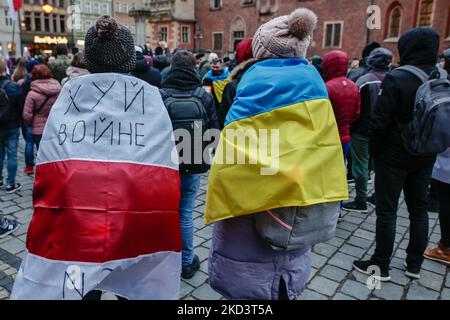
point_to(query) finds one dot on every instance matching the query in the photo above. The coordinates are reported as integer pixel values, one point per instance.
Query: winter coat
(229, 92)
(343, 93)
(396, 102)
(144, 72)
(16, 99)
(441, 169)
(73, 72)
(162, 61)
(369, 87)
(39, 102)
(59, 67)
(182, 80)
(242, 265)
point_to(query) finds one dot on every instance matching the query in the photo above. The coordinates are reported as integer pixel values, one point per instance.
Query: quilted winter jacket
(40, 90)
(343, 92)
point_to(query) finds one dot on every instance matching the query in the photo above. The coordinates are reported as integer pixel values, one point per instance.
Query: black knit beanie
(109, 47)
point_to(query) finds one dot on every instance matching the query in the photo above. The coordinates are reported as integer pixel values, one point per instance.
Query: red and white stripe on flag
(105, 197)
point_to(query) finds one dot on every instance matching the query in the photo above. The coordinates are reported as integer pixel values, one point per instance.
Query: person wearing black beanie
(109, 47)
(354, 75)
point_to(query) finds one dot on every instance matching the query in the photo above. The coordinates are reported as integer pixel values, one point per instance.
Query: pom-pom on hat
(286, 36)
(109, 47)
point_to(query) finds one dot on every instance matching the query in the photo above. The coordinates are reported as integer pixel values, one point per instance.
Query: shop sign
(50, 40)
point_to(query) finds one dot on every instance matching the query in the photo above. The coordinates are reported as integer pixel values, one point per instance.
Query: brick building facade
(342, 24)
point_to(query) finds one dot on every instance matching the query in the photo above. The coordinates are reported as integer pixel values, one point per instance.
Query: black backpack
(186, 110)
(428, 132)
(7, 113)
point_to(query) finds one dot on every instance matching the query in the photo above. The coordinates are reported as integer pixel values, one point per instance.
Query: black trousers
(444, 212)
(389, 182)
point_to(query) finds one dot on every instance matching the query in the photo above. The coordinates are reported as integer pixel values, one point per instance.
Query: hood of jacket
(141, 64)
(48, 87)
(239, 70)
(335, 64)
(73, 72)
(419, 47)
(379, 59)
(181, 79)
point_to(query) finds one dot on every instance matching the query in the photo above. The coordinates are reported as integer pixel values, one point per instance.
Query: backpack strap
(419, 73)
(36, 111)
(200, 93)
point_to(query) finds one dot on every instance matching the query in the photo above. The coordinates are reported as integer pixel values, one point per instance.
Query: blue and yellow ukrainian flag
(302, 166)
(219, 82)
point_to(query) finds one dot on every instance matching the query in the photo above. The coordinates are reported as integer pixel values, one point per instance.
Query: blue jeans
(346, 149)
(29, 147)
(189, 188)
(9, 142)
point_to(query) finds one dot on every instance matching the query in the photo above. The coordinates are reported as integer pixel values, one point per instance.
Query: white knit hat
(286, 36)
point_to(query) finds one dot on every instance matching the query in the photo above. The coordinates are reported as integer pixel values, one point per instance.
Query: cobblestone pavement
(331, 278)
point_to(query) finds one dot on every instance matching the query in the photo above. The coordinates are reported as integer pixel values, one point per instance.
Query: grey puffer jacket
(244, 266)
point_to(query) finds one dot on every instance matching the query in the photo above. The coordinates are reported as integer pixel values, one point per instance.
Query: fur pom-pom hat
(286, 36)
(109, 47)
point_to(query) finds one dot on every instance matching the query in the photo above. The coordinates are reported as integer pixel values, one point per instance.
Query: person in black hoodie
(184, 79)
(162, 56)
(395, 168)
(369, 86)
(144, 72)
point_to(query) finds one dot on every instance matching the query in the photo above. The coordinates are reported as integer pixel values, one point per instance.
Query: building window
(425, 13)
(97, 8)
(247, 2)
(8, 20)
(117, 7)
(125, 8)
(105, 8)
(217, 41)
(46, 23)
(37, 22)
(333, 35)
(55, 23)
(62, 23)
(185, 35)
(238, 36)
(395, 20)
(163, 34)
(215, 4)
(87, 7)
(87, 25)
(28, 21)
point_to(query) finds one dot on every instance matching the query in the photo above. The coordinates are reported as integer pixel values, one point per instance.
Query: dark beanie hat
(369, 48)
(109, 47)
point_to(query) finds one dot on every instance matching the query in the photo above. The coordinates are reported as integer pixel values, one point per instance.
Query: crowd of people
(349, 117)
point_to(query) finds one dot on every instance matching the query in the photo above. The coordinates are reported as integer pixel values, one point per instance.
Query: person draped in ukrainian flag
(295, 161)
(216, 79)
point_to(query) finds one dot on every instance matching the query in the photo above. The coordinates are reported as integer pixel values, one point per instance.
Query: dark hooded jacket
(343, 93)
(418, 47)
(144, 72)
(369, 86)
(16, 99)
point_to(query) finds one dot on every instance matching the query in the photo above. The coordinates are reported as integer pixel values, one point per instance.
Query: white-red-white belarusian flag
(13, 8)
(105, 197)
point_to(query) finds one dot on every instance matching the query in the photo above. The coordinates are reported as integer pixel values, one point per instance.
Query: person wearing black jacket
(369, 86)
(183, 78)
(162, 56)
(362, 69)
(395, 168)
(11, 121)
(144, 72)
